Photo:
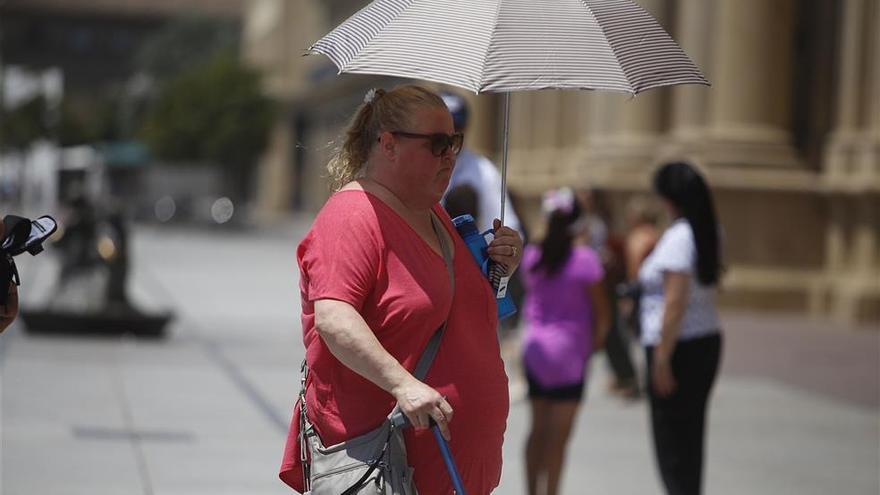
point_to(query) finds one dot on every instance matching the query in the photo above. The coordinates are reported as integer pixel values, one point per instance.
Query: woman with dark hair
(567, 317)
(680, 326)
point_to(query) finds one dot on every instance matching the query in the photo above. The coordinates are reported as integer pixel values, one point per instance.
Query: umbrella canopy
(511, 45)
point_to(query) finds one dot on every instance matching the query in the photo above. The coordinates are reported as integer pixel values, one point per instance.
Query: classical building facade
(788, 135)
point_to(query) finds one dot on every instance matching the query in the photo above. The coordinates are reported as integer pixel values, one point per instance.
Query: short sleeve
(675, 252)
(588, 266)
(340, 257)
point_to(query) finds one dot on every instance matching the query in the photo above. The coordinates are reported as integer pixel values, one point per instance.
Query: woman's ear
(387, 145)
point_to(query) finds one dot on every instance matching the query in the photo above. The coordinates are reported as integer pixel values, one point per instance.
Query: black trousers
(678, 420)
(617, 346)
(617, 349)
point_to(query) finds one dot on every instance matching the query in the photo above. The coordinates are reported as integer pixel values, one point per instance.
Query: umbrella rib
(489, 48)
(610, 46)
(335, 57)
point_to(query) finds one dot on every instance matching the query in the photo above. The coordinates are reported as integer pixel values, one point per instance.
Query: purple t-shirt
(559, 316)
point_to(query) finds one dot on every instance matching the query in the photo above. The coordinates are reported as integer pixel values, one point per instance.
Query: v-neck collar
(410, 227)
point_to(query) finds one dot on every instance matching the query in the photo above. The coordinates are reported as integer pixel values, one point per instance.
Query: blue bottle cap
(465, 225)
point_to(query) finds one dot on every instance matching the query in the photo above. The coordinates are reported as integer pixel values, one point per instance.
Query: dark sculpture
(91, 294)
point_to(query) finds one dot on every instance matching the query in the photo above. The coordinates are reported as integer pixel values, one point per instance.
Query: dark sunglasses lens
(441, 143)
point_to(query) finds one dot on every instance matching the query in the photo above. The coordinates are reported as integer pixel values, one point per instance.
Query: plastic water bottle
(478, 245)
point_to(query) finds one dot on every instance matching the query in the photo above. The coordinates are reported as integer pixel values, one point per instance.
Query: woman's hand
(351, 341)
(10, 310)
(507, 247)
(661, 374)
(421, 403)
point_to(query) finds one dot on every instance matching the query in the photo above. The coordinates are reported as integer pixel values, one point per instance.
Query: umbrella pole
(504, 154)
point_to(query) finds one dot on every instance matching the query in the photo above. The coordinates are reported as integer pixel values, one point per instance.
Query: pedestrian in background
(566, 318)
(680, 326)
(375, 289)
(642, 235)
(597, 219)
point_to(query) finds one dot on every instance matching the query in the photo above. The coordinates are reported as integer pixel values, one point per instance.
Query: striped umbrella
(511, 45)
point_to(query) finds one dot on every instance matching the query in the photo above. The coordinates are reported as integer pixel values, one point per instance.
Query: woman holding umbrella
(680, 327)
(375, 288)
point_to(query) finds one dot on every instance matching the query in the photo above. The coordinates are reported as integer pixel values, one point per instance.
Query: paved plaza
(205, 411)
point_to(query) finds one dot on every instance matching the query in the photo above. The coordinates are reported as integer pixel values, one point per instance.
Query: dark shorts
(574, 392)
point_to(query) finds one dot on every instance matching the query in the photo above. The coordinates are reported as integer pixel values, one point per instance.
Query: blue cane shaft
(450, 462)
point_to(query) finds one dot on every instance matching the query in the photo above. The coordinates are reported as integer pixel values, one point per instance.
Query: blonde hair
(381, 110)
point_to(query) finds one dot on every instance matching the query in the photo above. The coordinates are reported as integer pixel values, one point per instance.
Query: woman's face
(423, 175)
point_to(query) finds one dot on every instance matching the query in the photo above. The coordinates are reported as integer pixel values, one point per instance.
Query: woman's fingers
(446, 409)
(442, 415)
(507, 246)
(423, 404)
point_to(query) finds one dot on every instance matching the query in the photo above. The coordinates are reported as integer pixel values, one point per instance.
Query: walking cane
(447, 458)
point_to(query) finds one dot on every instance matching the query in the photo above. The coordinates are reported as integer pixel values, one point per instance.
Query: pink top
(559, 316)
(362, 252)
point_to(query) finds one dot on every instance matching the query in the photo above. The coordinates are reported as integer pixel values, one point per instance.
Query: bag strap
(430, 352)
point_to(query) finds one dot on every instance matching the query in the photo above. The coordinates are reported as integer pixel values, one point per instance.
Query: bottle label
(499, 279)
(502, 288)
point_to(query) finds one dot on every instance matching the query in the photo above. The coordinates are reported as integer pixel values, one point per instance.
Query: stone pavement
(206, 410)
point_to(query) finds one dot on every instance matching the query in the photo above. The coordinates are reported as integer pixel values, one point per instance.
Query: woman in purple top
(567, 317)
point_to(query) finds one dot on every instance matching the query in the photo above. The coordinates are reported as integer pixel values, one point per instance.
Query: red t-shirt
(362, 252)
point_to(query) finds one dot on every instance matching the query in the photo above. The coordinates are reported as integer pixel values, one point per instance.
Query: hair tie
(561, 200)
(373, 94)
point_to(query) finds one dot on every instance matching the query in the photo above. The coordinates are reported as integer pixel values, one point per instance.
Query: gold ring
(514, 251)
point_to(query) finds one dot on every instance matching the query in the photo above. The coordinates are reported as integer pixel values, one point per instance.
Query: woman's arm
(601, 314)
(350, 339)
(675, 295)
(636, 248)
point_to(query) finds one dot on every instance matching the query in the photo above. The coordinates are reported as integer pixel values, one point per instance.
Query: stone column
(870, 156)
(694, 25)
(522, 170)
(840, 155)
(546, 122)
(485, 123)
(548, 140)
(750, 103)
(851, 170)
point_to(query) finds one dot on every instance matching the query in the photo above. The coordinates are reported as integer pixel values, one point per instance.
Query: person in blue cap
(478, 173)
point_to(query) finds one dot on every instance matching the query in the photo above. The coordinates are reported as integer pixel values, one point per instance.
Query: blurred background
(181, 145)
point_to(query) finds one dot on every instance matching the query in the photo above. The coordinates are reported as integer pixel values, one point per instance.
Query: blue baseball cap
(458, 107)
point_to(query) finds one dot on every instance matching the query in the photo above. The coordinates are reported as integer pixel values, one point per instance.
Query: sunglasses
(440, 143)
